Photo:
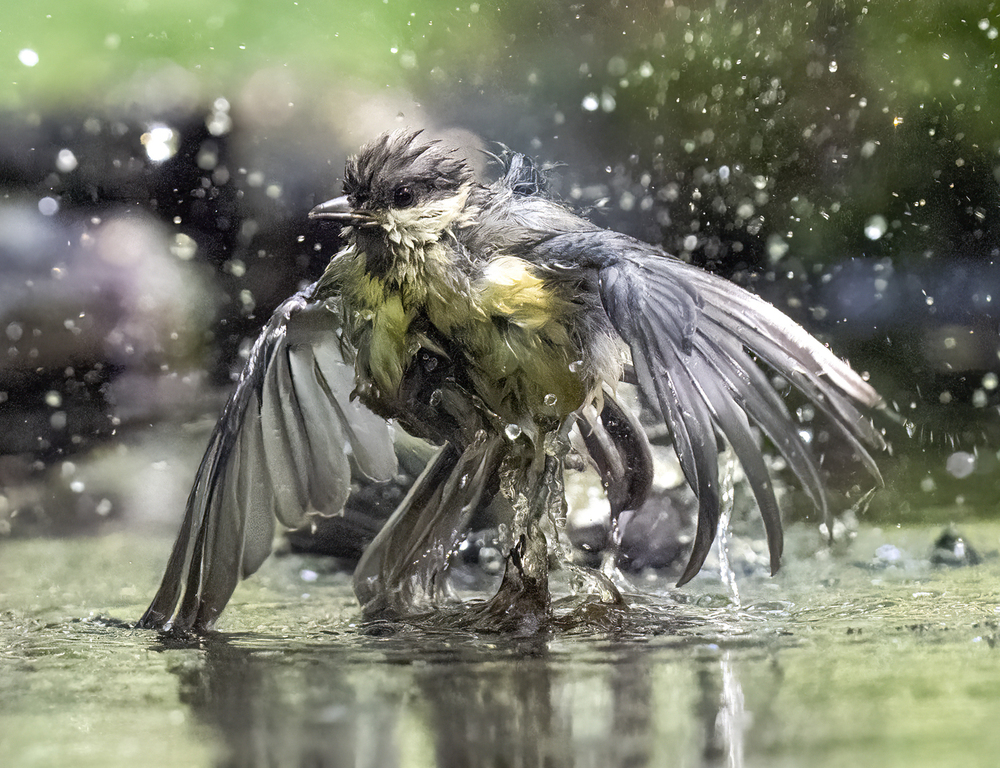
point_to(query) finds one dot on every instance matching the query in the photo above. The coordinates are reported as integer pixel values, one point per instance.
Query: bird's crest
(403, 157)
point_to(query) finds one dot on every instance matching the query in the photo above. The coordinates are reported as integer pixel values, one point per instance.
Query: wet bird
(497, 324)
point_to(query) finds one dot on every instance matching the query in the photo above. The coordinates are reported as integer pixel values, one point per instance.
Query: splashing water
(728, 491)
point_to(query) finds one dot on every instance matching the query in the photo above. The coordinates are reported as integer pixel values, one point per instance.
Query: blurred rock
(83, 301)
(952, 549)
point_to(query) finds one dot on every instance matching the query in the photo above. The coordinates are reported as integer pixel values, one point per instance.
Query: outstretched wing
(691, 335)
(278, 453)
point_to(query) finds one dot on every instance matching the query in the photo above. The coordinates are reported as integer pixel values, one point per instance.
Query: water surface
(844, 658)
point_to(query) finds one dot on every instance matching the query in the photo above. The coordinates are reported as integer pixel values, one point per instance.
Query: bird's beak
(339, 209)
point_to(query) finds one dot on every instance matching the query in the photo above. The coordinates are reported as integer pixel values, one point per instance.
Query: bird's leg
(533, 486)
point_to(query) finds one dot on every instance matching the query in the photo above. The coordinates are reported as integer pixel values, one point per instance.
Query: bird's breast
(514, 337)
(387, 317)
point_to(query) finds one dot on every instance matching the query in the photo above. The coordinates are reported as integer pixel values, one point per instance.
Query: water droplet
(66, 161)
(576, 365)
(550, 399)
(617, 66)
(161, 142)
(513, 431)
(961, 464)
(777, 248)
(27, 57)
(435, 398)
(48, 206)
(876, 227)
(183, 247)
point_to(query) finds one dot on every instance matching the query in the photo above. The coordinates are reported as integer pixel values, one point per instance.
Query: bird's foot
(521, 605)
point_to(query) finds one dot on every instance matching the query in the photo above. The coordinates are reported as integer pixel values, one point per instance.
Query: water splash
(727, 496)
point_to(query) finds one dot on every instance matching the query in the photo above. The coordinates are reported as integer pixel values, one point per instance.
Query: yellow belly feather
(512, 327)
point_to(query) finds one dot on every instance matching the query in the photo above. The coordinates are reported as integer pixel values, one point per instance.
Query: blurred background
(840, 158)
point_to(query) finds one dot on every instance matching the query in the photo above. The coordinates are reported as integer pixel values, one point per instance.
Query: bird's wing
(693, 337)
(278, 452)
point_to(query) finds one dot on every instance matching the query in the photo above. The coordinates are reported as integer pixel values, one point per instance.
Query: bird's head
(403, 190)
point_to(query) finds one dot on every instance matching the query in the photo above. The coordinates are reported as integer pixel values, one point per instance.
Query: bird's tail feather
(401, 571)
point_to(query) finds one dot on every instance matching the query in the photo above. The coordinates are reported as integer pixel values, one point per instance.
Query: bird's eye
(402, 197)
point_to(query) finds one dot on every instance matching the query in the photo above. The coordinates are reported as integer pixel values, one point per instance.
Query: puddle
(839, 660)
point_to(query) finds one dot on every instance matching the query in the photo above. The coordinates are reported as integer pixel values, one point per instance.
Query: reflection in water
(732, 719)
(465, 701)
(483, 712)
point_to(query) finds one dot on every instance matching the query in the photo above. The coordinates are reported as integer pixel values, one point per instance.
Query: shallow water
(842, 659)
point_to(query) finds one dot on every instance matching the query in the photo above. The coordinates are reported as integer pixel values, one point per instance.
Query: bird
(494, 322)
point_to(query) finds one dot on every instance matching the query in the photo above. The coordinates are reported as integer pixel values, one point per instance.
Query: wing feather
(695, 340)
(324, 445)
(277, 453)
(691, 334)
(284, 442)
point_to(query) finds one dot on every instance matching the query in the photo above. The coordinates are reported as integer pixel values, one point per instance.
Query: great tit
(496, 323)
